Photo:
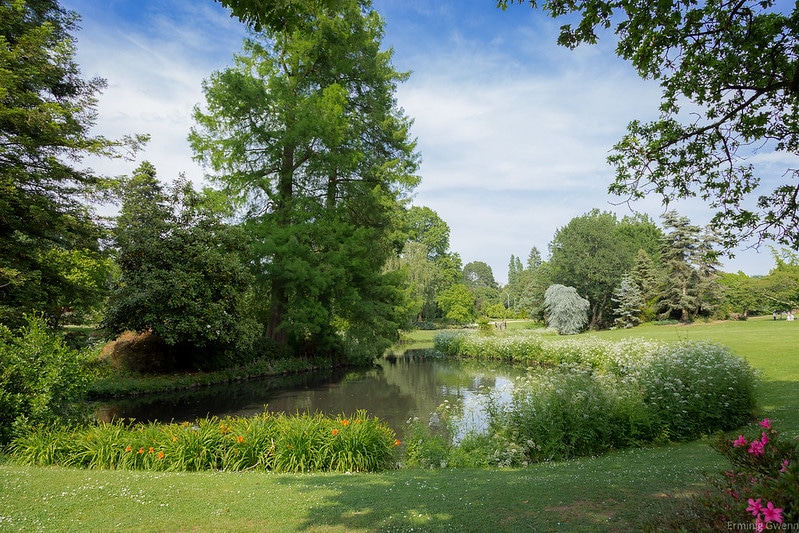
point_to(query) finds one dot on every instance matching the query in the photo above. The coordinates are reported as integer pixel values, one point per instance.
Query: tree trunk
(282, 214)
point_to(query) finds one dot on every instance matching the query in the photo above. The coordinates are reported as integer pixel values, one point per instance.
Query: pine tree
(629, 300)
(645, 277)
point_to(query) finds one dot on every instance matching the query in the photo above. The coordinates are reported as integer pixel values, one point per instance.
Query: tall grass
(280, 443)
(587, 396)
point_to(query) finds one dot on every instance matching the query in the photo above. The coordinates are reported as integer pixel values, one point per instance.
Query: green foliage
(304, 135)
(496, 311)
(566, 311)
(182, 274)
(741, 295)
(527, 290)
(50, 259)
(592, 253)
(426, 262)
(279, 443)
(457, 302)
(41, 378)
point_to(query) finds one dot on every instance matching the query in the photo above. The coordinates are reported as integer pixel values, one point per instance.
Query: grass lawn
(615, 492)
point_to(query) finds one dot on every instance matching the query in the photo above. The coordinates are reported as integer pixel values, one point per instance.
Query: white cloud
(514, 131)
(154, 65)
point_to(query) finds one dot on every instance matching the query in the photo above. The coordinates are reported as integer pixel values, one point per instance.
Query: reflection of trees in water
(410, 384)
(213, 400)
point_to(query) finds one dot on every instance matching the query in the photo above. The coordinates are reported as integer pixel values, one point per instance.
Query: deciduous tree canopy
(729, 72)
(305, 136)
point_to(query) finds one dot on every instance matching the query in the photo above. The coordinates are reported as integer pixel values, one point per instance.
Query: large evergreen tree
(630, 302)
(645, 275)
(690, 278)
(50, 259)
(305, 136)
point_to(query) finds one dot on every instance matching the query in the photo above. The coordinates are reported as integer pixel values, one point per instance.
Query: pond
(404, 384)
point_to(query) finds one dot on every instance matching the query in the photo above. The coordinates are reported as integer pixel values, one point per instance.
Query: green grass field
(616, 492)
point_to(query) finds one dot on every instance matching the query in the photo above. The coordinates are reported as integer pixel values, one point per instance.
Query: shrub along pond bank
(581, 397)
(588, 396)
(653, 488)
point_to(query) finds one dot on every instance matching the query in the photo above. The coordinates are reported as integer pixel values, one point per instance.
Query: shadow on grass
(618, 492)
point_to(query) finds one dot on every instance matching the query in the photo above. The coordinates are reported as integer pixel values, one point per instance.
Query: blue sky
(513, 130)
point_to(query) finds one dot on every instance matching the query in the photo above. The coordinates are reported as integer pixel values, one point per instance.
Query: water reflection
(405, 384)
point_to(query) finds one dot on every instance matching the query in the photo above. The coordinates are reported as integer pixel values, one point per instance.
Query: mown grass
(616, 492)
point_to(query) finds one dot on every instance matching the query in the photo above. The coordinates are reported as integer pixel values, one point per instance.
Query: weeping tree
(304, 135)
(566, 310)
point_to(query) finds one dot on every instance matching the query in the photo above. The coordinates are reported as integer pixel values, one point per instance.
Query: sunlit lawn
(611, 493)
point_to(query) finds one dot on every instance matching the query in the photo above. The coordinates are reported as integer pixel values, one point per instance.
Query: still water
(403, 385)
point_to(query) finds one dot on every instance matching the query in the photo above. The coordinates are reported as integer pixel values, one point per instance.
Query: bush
(760, 491)
(602, 395)
(572, 412)
(41, 378)
(696, 388)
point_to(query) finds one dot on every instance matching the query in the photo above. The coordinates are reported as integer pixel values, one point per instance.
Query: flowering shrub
(571, 412)
(594, 395)
(696, 388)
(760, 491)
(300, 443)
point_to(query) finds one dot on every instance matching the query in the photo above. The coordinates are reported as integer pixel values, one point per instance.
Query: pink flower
(766, 423)
(754, 506)
(771, 513)
(784, 468)
(759, 525)
(756, 448)
(764, 438)
(740, 442)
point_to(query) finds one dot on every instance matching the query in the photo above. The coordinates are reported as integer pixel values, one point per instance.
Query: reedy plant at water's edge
(281, 443)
